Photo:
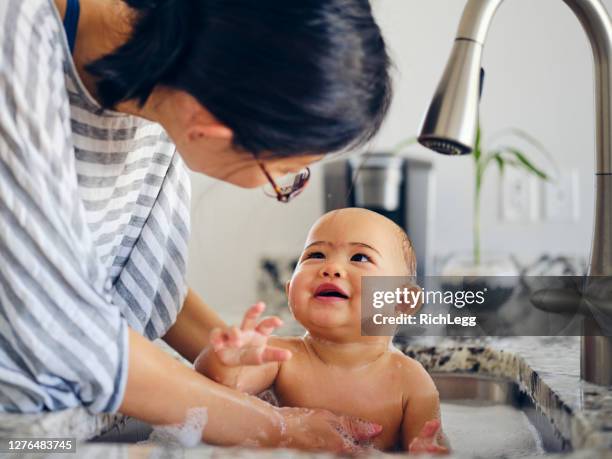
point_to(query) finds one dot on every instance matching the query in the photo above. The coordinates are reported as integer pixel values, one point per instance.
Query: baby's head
(342, 246)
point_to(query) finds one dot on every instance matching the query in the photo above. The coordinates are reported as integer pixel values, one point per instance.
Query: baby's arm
(421, 426)
(241, 357)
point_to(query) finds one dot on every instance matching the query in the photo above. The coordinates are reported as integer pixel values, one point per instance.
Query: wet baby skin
(333, 367)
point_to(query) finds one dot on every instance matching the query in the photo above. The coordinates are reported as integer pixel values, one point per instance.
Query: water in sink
(491, 417)
(486, 429)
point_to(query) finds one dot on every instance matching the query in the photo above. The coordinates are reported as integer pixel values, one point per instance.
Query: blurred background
(539, 69)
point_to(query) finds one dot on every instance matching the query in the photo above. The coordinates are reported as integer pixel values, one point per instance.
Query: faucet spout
(451, 121)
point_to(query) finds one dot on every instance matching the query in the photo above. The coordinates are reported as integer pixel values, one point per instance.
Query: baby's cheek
(356, 292)
(298, 294)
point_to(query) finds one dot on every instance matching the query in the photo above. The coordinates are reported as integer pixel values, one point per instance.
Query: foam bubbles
(186, 435)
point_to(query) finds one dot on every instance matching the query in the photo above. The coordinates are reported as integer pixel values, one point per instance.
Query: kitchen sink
(491, 417)
(482, 416)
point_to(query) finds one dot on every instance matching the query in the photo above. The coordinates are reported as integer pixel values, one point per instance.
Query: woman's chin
(245, 179)
(246, 183)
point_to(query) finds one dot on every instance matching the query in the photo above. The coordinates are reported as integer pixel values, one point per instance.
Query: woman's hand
(321, 430)
(426, 442)
(248, 345)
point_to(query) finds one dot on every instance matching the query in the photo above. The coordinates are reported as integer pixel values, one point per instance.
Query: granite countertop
(546, 368)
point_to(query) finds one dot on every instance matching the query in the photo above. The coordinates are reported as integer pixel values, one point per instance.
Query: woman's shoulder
(32, 53)
(25, 20)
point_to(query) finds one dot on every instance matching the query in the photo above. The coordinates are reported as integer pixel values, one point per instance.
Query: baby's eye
(361, 257)
(314, 255)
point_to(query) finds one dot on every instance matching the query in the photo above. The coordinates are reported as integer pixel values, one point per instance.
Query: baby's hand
(426, 442)
(248, 345)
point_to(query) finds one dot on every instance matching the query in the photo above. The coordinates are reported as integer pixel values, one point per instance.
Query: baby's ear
(415, 297)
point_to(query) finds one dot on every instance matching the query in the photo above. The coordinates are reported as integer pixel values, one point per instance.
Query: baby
(333, 367)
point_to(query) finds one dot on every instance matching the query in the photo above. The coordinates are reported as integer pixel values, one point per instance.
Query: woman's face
(206, 145)
(242, 169)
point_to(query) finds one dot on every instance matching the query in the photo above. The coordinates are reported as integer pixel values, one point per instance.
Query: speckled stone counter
(78, 423)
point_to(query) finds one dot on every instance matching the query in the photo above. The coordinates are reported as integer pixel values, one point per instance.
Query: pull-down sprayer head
(451, 121)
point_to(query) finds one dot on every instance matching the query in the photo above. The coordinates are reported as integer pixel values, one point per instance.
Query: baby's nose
(332, 270)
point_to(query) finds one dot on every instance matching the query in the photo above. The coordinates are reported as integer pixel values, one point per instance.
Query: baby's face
(325, 290)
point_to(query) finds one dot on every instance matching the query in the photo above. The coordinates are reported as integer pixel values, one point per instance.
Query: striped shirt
(94, 222)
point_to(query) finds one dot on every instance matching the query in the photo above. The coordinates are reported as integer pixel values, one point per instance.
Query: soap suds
(186, 435)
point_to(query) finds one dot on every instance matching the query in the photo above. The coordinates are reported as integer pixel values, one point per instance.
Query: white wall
(539, 72)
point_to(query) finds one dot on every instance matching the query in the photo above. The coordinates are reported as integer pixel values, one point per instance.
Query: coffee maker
(398, 187)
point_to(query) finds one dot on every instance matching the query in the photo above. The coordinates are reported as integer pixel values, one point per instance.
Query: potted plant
(495, 273)
(504, 155)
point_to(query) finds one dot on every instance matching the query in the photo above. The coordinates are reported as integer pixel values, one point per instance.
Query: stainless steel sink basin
(482, 416)
(492, 417)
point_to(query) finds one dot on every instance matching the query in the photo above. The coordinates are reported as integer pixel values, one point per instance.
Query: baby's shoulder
(416, 385)
(412, 372)
(291, 343)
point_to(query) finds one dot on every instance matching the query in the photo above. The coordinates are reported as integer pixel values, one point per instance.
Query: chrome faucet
(450, 127)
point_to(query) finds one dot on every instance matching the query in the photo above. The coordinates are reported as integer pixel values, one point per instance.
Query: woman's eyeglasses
(285, 193)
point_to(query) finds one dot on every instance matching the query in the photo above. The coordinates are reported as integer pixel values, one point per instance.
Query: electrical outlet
(519, 196)
(561, 198)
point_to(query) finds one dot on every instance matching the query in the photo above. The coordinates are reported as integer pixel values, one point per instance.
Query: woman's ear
(213, 130)
(415, 297)
(195, 121)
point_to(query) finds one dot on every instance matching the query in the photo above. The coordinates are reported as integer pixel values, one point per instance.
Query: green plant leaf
(477, 153)
(531, 140)
(489, 156)
(524, 163)
(521, 134)
(500, 162)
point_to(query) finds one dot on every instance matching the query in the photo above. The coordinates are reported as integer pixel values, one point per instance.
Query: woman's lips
(330, 293)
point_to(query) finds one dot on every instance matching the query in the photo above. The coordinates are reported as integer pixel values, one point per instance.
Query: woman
(94, 204)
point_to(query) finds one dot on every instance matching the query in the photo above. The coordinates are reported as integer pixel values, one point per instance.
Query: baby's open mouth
(330, 291)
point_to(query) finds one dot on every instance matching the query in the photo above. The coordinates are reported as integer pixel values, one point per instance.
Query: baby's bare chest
(375, 396)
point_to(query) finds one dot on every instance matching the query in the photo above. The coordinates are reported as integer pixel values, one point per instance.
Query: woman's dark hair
(288, 77)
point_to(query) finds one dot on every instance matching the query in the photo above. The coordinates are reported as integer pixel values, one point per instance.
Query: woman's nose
(332, 270)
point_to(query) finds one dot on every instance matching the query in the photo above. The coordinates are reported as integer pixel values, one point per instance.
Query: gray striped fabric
(94, 222)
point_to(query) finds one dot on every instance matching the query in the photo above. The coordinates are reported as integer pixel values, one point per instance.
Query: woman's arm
(161, 390)
(190, 333)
